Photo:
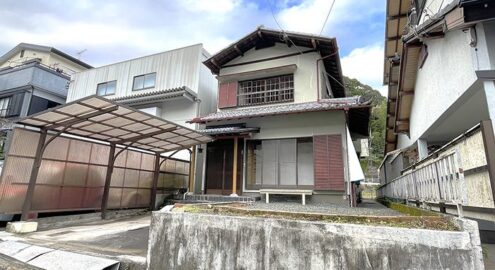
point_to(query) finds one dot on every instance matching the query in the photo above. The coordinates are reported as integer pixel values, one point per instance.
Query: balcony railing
(439, 181)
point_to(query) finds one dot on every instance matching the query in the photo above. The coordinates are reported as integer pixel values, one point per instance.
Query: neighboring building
(34, 78)
(283, 115)
(440, 72)
(173, 85)
(47, 56)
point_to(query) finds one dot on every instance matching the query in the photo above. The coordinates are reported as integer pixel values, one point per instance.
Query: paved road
(125, 236)
(490, 256)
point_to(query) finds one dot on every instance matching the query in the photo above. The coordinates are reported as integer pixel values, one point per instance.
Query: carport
(98, 119)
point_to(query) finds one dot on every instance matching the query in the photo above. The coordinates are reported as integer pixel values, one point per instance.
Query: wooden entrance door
(219, 166)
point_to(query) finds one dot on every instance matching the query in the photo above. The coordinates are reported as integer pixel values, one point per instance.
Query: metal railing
(439, 180)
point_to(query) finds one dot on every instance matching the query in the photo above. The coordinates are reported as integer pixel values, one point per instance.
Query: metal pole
(108, 178)
(26, 207)
(156, 174)
(234, 169)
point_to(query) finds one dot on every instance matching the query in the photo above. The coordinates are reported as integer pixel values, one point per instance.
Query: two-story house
(173, 85)
(283, 118)
(440, 71)
(34, 78)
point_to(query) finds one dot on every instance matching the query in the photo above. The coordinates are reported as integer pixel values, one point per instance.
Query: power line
(287, 36)
(328, 15)
(281, 29)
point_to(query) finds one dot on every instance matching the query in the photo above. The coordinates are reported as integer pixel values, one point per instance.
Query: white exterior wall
(298, 126)
(49, 59)
(447, 73)
(175, 68)
(305, 78)
(208, 88)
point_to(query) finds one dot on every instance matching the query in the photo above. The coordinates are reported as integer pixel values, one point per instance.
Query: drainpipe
(318, 72)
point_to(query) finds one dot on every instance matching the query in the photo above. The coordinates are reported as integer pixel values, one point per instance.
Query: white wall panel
(175, 68)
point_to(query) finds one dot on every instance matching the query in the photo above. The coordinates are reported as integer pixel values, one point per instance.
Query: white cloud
(310, 15)
(213, 6)
(366, 65)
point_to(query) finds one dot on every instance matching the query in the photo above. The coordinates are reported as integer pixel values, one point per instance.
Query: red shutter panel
(227, 95)
(233, 94)
(328, 162)
(321, 160)
(223, 95)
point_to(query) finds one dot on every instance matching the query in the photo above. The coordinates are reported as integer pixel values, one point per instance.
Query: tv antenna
(79, 53)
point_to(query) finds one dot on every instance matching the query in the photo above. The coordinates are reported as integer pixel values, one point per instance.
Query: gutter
(430, 23)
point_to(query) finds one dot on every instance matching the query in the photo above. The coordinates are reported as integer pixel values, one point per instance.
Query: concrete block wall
(199, 241)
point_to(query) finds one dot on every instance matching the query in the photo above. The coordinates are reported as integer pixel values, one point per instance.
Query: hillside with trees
(377, 122)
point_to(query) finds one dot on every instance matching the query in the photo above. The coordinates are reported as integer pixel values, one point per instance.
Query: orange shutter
(328, 162)
(227, 95)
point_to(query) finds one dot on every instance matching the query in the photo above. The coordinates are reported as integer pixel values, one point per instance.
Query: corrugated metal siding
(72, 175)
(173, 69)
(328, 162)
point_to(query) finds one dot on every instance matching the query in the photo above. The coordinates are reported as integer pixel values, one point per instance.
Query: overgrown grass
(418, 222)
(408, 210)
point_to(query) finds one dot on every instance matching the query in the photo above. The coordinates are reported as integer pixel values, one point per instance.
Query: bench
(302, 192)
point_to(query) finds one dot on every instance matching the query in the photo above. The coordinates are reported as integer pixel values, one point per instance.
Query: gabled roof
(326, 46)
(359, 112)
(27, 46)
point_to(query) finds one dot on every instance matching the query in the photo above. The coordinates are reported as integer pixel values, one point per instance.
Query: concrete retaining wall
(199, 241)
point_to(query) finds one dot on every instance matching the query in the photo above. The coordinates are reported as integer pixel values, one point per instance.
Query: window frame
(248, 187)
(4, 112)
(246, 95)
(144, 80)
(106, 86)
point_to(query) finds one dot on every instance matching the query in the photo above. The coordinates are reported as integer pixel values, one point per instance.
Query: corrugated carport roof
(101, 119)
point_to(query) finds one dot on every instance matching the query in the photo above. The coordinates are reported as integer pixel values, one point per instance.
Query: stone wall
(200, 241)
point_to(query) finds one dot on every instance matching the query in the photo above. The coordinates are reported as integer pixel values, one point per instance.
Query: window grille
(266, 91)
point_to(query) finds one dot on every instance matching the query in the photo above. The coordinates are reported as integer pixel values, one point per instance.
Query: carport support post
(156, 174)
(26, 207)
(108, 178)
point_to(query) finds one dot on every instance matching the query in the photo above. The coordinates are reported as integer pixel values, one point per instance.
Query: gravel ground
(367, 208)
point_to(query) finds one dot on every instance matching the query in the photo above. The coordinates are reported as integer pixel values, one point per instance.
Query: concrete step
(219, 198)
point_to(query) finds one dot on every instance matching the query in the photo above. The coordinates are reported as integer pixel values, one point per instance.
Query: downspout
(348, 171)
(318, 72)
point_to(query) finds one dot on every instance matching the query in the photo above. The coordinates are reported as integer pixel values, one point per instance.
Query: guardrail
(439, 180)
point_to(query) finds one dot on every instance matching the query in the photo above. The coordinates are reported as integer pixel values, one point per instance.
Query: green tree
(377, 121)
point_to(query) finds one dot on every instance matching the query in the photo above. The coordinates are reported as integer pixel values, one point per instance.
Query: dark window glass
(39, 104)
(144, 81)
(4, 106)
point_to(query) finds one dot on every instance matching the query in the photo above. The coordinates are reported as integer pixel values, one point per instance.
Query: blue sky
(116, 30)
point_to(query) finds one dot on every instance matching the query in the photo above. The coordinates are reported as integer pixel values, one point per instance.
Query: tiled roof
(325, 46)
(172, 92)
(227, 130)
(322, 105)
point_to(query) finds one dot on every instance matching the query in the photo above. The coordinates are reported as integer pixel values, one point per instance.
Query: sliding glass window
(286, 163)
